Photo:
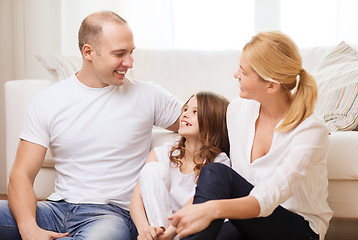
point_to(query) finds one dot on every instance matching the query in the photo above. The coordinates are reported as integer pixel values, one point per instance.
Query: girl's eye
(195, 111)
(185, 109)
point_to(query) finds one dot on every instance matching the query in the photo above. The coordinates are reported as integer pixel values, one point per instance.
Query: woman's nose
(237, 75)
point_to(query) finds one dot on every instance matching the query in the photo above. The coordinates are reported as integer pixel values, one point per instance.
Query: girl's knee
(155, 170)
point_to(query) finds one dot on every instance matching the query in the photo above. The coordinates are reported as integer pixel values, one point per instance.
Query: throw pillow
(337, 80)
(60, 67)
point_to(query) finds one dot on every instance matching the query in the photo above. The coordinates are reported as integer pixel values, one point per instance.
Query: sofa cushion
(337, 79)
(60, 67)
(342, 156)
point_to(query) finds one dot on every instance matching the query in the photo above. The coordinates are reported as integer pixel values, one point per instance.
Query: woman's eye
(195, 111)
(242, 72)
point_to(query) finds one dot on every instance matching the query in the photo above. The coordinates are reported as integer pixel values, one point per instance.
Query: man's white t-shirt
(182, 186)
(294, 171)
(99, 137)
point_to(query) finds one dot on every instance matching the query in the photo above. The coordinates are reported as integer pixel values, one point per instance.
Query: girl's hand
(165, 236)
(192, 219)
(168, 234)
(150, 233)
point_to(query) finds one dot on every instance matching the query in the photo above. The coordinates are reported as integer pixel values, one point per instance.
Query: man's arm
(22, 198)
(174, 127)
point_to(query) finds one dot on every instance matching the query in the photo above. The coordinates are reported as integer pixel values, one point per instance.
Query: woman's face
(251, 84)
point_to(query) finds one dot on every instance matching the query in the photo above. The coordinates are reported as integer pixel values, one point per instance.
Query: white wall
(6, 73)
(24, 29)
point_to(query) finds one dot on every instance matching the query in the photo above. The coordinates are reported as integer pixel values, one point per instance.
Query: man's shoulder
(61, 85)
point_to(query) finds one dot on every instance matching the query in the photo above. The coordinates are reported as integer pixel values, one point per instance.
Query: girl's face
(189, 126)
(251, 84)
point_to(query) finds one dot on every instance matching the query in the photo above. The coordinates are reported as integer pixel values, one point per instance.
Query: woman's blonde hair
(214, 138)
(274, 55)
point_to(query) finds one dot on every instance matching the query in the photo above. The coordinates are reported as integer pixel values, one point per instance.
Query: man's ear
(273, 87)
(87, 52)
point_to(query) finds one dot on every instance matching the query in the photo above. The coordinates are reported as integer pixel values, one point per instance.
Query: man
(98, 126)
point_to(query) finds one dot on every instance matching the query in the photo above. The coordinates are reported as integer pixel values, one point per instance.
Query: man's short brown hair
(91, 28)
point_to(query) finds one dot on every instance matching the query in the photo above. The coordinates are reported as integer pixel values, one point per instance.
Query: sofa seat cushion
(343, 156)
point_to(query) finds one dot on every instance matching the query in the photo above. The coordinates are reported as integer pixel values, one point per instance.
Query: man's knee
(109, 228)
(8, 226)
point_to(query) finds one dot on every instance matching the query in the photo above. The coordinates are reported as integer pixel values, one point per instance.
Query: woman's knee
(215, 171)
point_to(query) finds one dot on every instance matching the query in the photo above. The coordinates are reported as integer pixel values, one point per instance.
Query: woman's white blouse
(292, 174)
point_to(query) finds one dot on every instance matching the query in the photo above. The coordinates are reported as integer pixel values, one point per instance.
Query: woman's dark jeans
(218, 181)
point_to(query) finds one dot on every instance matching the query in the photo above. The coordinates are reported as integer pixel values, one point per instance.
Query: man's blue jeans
(217, 181)
(82, 221)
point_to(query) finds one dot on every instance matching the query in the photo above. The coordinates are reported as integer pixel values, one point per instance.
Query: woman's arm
(137, 211)
(195, 218)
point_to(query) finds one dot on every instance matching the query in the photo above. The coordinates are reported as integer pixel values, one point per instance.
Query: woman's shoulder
(310, 131)
(241, 103)
(312, 122)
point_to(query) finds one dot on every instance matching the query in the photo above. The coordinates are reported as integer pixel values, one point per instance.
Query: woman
(278, 186)
(168, 179)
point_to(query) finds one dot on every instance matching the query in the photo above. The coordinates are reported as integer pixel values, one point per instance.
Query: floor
(342, 229)
(3, 197)
(339, 229)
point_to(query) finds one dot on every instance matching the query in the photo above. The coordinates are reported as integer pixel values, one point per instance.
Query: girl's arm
(137, 211)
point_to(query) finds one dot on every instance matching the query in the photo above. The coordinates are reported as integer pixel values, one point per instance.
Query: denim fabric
(217, 181)
(82, 221)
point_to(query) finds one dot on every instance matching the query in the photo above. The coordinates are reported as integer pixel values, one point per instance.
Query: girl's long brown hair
(211, 109)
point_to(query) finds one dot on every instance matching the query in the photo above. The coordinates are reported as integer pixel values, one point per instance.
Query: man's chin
(118, 82)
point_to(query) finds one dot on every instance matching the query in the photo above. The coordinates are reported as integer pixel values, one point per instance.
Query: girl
(277, 188)
(168, 179)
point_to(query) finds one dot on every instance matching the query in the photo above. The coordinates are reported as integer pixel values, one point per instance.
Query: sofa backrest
(185, 72)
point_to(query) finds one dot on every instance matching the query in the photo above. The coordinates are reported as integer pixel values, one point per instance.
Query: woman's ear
(273, 87)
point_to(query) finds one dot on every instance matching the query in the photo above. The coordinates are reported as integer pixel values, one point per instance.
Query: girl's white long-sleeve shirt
(292, 174)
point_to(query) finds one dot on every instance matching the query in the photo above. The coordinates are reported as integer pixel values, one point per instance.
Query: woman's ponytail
(302, 101)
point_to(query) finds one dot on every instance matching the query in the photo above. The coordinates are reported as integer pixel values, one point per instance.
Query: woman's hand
(150, 233)
(193, 218)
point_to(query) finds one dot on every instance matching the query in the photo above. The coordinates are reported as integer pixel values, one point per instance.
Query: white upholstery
(183, 73)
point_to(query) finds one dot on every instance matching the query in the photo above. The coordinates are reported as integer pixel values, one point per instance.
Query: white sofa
(184, 72)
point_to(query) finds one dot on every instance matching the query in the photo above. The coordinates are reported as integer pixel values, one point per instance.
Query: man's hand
(192, 219)
(41, 234)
